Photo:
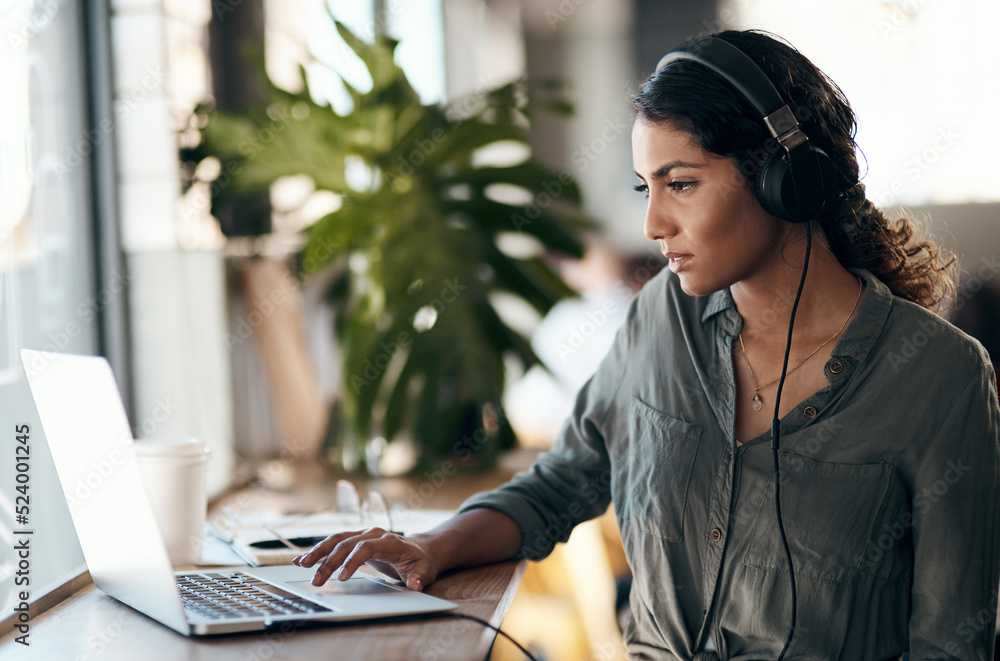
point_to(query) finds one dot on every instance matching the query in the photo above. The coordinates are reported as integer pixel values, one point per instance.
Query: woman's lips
(677, 260)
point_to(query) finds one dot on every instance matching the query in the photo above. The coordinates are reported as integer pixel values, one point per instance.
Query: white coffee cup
(174, 472)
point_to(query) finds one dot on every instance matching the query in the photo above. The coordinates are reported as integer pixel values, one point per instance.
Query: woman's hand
(409, 558)
(475, 537)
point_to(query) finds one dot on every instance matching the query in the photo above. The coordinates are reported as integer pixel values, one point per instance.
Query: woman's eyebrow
(663, 170)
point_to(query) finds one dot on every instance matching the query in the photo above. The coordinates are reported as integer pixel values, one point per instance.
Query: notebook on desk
(85, 425)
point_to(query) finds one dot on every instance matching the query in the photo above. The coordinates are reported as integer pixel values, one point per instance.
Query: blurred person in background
(573, 338)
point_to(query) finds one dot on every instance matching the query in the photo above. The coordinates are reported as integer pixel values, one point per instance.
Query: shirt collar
(722, 301)
(858, 338)
(873, 310)
(717, 302)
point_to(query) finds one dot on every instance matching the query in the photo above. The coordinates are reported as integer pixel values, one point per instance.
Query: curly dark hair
(690, 96)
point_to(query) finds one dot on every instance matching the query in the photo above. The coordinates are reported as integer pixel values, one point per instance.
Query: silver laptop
(91, 442)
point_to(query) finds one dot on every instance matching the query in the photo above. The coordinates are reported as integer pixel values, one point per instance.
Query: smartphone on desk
(303, 542)
(270, 544)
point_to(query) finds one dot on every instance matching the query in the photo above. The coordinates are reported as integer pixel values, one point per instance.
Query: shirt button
(716, 534)
(809, 412)
(836, 367)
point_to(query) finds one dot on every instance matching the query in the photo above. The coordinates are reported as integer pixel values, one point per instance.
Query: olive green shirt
(889, 487)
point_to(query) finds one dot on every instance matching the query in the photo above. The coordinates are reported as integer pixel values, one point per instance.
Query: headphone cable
(776, 436)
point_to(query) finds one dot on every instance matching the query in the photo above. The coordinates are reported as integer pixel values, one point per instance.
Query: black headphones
(796, 181)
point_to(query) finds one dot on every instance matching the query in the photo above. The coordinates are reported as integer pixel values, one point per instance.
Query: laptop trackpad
(351, 586)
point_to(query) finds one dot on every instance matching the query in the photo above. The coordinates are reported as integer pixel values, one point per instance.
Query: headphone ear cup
(771, 170)
(797, 186)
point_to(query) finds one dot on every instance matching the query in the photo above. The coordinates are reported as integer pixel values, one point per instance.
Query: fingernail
(342, 575)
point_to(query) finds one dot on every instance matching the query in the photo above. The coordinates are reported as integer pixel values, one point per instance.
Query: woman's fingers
(337, 547)
(363, 552)
(388, 552)
(321, 550)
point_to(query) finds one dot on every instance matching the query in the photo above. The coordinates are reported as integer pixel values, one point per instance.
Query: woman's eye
(681, 185)
(676, 186)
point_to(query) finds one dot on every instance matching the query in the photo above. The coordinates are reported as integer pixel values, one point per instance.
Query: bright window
(920, 76)
(417, 24)
(47, 295)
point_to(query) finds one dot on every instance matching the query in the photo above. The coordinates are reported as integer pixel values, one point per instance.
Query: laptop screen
(91, 443)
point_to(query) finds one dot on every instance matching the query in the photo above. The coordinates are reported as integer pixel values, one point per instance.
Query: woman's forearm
(475, 537)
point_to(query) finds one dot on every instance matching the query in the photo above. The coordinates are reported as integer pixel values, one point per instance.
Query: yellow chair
(564, 609)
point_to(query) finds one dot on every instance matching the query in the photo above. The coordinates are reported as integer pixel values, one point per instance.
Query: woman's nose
(657, 224)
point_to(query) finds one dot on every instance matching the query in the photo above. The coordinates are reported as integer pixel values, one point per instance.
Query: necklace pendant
(758, 403)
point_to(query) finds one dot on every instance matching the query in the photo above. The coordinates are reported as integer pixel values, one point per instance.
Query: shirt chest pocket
(829, 512)
(661, 456)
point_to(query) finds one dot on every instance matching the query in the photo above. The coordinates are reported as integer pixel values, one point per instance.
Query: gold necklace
(758, 403)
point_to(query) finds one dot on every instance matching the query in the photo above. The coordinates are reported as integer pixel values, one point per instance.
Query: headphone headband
(732, 64)
(743, 73)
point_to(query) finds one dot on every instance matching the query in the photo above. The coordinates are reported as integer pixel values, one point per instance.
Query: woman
(889, 442)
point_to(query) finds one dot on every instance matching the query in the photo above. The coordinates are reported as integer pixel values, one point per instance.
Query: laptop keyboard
(235, 596)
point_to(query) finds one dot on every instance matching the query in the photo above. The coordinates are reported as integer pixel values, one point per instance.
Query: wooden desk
(91, 626)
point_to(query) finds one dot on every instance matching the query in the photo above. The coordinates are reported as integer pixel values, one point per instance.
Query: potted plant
(417, 246)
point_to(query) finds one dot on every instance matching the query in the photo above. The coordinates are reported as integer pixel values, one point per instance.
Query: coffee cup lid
(173, 447)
